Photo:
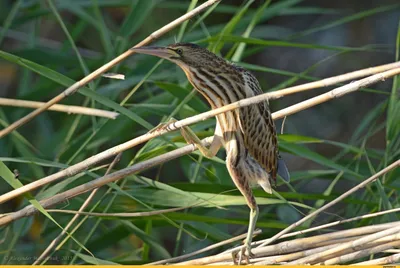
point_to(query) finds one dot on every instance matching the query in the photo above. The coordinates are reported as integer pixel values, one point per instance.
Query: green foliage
(84, 35)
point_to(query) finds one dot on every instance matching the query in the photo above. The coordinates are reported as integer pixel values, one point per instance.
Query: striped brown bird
(248, 134)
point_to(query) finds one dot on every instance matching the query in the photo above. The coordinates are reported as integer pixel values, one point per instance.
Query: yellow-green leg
(245, 253)
(250, 231)
(191, 138)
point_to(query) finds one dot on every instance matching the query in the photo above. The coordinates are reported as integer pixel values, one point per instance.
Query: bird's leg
(191, 138)
(245, 252)
(239, 167)
(249, 238)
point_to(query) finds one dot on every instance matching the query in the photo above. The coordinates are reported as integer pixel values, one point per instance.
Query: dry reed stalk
(324, 257)
(335, 93)
(73, 88)
(5, 219)
(330, 81)
(295, 248)
(349, 245)
(263, 261)
(277, 236)
(381, 261)
(339, 92)
(145, 164)
(270, 250)
(333, 202)
(371, 215)
(55, 241)
(392, 251)
(185, 256)
(69, 109)
(355, 232)
(302, 232)
(122, 173)
(30, 209)
(216, 245)
(70, 171)
(280, 259)
(300, 243)
(370, 248)
(367, 251)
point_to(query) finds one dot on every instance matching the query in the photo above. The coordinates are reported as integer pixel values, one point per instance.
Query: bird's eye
(179, 51)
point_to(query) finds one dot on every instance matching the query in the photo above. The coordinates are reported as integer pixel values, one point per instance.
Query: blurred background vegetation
(328, 148)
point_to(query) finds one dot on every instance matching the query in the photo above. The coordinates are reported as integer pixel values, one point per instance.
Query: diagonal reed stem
(335, 93)
(227, 256)
(53, 244)
(349, 245)
(29, 210)
(74, 87)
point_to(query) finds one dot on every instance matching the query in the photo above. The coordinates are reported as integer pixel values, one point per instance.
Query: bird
(248, 133)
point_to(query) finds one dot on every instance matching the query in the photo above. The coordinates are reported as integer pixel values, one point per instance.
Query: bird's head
(183, 54)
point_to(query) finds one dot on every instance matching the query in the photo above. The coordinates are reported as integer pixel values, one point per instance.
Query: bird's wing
(260, 136)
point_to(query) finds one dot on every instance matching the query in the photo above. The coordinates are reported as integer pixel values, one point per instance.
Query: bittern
(248, 134)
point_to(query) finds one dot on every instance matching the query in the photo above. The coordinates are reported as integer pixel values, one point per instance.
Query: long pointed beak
(161, 52)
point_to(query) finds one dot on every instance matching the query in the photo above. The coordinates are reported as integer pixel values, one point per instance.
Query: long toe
(235, 255)
(249, 254)
(244, 257)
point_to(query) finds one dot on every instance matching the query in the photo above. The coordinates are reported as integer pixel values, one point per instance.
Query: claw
(243, 255)
(163, 126)
(234, 256)
(159, 127)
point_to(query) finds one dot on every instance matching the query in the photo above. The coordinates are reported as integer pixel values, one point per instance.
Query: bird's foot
(243, 255)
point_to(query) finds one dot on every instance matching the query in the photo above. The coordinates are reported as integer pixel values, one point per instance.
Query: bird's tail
(257, 175)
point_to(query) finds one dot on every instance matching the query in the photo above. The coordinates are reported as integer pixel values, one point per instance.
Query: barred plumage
(248, 134)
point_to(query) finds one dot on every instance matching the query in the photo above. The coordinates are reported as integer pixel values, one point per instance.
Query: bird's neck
(218, 87)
